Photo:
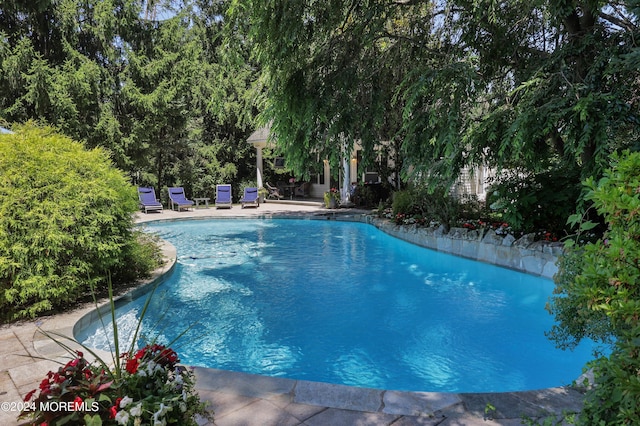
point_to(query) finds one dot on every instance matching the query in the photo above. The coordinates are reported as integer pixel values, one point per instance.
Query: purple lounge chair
(223, 196)
(148, 200)
(178, 200)
(250, 197)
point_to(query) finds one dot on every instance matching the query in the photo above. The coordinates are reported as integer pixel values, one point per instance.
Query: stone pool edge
(555, 402)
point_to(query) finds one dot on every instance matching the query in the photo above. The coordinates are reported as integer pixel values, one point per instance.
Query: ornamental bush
(65, 223)
(598, 296)
(433, 204)
(531, 202)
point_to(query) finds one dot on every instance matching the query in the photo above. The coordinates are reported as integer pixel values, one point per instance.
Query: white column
(345, 195)
(259, 166)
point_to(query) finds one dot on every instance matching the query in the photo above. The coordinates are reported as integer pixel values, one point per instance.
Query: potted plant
(140, 386)
(263, 193)
(152, 388)
(331, 198)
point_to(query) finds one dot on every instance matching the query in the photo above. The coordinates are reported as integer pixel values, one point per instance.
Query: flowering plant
(332, 194)
(406, 219)
(500, 228)
(151, 389)
(141, 387)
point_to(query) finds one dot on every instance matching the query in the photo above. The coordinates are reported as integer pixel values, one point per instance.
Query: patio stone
(299, 411)
(418, 403)
(246, 384)
(419, 421)
(338, 396)
(257, 413)
(334, 417)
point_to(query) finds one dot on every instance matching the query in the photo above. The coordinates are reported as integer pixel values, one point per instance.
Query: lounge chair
(302, 190)
(274, 193)
(250, 197)
(178, 200)
(223, 196)
(148, 200)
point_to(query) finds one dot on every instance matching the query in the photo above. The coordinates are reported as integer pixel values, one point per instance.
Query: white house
(470, 182)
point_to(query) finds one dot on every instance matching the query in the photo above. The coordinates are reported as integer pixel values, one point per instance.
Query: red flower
(141, 352)
(29, 395)
(45, 386)
(169, 356)
(77, 403)
(114, 410)
(132, 365)
(73, 363)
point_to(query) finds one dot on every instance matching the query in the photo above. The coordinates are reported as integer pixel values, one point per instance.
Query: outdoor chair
(178, 200)
(223, 196)
(250, 197)
(302, 190)
(148, 200)
(274, 193)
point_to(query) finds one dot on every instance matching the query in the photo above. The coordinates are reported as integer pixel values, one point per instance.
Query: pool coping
(430, 407)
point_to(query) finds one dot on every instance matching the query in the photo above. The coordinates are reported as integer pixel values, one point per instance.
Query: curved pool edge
(211, 382)
(550, 402)
(157, 277)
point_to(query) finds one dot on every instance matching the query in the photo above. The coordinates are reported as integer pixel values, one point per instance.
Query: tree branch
(624, 23)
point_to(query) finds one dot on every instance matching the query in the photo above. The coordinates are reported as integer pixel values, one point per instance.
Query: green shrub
(598, 295)
(403, 202)
(430, 203)
(65, 222)
(536, 201)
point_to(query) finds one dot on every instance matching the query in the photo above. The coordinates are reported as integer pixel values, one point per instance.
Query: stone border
(524, 254)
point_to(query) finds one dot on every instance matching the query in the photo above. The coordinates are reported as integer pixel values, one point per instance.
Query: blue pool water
(345, 303)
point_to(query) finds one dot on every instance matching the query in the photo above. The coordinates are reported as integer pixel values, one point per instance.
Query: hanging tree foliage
(530, 85)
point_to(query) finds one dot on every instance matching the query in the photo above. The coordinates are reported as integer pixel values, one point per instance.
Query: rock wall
(523, 254)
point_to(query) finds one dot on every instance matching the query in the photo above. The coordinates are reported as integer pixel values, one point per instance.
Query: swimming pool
(346, 303)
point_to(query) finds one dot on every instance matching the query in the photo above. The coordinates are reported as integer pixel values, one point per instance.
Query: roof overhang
(260, 137)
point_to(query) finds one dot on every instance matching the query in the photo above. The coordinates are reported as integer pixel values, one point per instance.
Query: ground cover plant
(65, 223)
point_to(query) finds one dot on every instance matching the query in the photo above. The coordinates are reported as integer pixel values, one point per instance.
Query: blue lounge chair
(250, 197)
(178, 200)
(148, 200)
(223, 196)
